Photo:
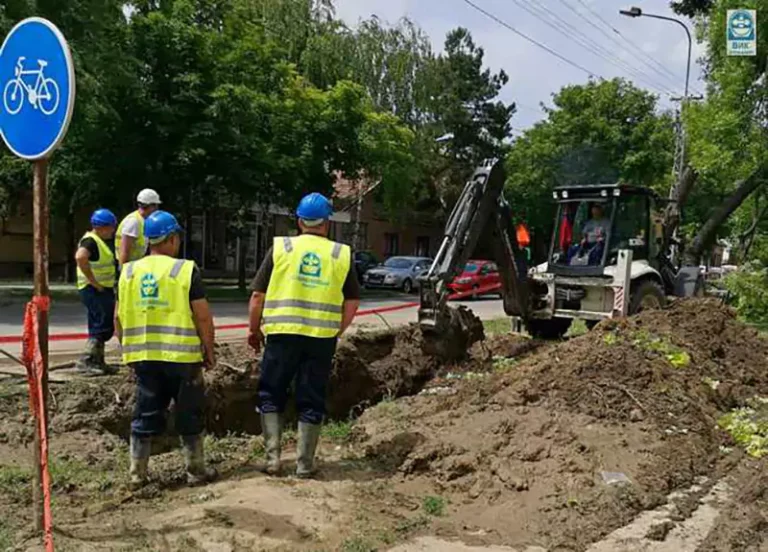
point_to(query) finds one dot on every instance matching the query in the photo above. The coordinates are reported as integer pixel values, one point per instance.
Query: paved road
(69, 318)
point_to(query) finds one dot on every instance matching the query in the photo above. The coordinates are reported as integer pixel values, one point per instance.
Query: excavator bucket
(480, 211)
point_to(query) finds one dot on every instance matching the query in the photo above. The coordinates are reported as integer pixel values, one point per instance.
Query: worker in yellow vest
(130, 243)
(305, 296)
(166, 331)
(96, 274)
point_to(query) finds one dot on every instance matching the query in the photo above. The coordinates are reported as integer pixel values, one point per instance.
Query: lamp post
(637, 12)
(679, 162)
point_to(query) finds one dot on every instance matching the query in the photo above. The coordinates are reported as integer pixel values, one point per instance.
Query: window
(391, 244)
(631, 226)
(422, 246)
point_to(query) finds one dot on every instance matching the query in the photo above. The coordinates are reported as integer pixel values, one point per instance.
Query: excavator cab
(593, 223)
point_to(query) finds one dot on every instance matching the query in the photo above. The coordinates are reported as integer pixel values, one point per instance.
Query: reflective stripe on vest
(104, 269)
(305, 295)
(154, 311)
(140, 246)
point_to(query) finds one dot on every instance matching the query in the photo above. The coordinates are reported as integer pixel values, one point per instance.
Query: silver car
(397, 273)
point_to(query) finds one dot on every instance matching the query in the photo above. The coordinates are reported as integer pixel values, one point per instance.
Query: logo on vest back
(149, 288)
(310, 266)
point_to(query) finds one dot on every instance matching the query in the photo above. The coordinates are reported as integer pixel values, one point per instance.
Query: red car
(477, 275)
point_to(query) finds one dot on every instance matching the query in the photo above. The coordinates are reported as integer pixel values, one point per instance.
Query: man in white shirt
(130, 243)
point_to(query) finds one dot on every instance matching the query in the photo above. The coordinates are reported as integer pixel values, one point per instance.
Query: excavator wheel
(647, 295)
(554, 328)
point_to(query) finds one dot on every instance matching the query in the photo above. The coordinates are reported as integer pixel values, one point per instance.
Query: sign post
(741, 32)
(37, 83)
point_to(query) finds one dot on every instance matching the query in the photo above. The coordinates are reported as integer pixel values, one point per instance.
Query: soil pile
(581, 436)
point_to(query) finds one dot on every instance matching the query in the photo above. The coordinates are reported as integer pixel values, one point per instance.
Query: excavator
(609, 256)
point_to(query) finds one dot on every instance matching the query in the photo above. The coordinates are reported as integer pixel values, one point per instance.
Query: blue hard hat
(314, 207)
(160, 224)
(103, 217)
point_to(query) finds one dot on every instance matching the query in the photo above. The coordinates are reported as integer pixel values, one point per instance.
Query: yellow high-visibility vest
(305, 294)
(154, 311)
(104, 269)
(139, 249)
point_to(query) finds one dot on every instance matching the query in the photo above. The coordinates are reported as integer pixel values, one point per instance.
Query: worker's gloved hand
(98, 287)
(255, 340)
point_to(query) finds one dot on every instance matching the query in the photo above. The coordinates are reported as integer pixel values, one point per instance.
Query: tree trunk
(242, 248)
(708, 231)
(71, 241)
(679, 197)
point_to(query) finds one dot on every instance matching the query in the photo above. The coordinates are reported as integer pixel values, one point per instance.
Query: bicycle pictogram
(44, 95)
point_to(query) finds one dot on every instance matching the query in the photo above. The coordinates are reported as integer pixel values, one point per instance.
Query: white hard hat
(148, 197)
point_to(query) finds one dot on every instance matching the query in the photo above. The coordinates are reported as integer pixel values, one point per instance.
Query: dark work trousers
(309, 360)
(159, 383)
(101, 312)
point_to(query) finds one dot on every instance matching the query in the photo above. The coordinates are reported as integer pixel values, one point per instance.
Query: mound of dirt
(580, 436)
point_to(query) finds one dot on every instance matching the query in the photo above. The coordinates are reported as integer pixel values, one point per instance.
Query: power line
(613, 39)
(550, 18)
(529, 39)
(630, 42)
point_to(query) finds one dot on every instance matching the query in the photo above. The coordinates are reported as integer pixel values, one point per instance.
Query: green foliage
(748, 426)
(15, 484)
(338, 432)
(6, 539)
(357, 544)
(749, 289)
(434, 505)
(603, 131)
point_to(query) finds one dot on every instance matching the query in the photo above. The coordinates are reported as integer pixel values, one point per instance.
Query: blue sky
(535, 74)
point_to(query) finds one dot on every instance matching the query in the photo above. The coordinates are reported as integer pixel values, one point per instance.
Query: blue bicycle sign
(37, 83)
(43, 95)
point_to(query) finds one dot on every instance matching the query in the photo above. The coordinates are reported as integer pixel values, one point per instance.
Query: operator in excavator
(590, 250)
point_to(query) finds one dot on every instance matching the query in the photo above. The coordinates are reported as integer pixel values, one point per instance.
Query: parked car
(364, 261)
(476, 275)
(397, 273)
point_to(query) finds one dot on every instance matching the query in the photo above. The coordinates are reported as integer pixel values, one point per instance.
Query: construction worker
(96, 274)
(306, 294)
(166, 331)
(130, 243)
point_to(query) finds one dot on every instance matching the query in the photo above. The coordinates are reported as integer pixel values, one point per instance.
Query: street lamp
(633, 12)
(637, 12)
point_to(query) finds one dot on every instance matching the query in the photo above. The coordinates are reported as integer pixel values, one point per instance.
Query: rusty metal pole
(40, 200)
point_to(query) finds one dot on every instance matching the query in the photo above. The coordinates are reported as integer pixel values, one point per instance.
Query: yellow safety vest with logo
(104, 269)
(305, 295)
(154, 311)
(140, 245)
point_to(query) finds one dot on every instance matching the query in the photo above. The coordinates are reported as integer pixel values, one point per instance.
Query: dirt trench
(367, 368)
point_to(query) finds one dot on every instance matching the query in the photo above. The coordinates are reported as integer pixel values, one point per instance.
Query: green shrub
(749, 293)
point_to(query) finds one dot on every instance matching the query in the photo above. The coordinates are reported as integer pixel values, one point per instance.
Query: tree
(602, 131)
(462, 102)
(727, 133)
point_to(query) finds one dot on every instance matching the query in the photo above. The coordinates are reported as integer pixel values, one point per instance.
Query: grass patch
(677, 357)
(434, 505)
(15, 483)
(578, 327)
(748, 426)
(357, 544)
(6, 541)
(503, 364)
(338, 432)
(497, 326)
(410, 525)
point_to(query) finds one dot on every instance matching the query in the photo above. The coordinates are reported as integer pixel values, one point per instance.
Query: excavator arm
(481, 213)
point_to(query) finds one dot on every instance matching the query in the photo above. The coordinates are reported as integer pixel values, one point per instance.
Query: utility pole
(680, 141)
